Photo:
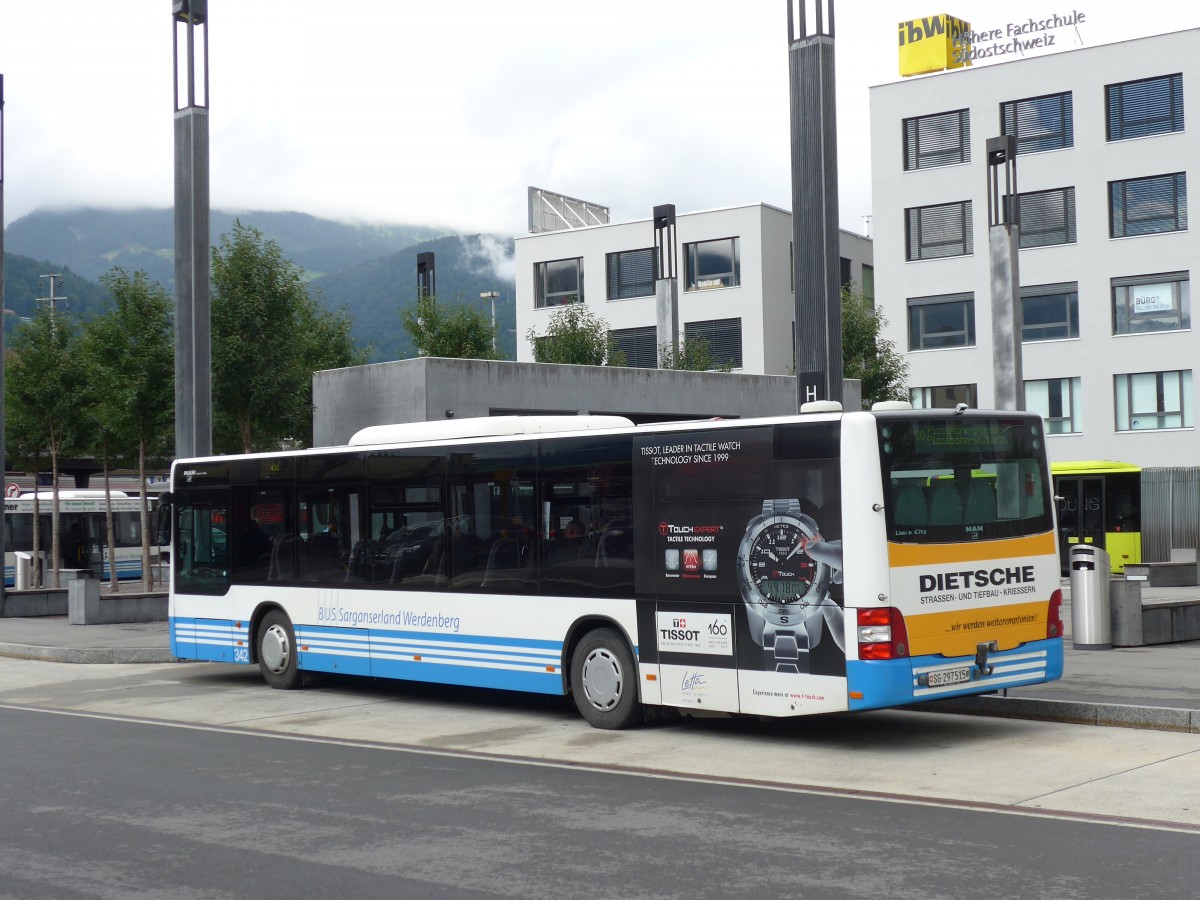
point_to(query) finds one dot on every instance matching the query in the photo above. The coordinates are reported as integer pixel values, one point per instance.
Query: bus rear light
(882, 634)
(1054, 622)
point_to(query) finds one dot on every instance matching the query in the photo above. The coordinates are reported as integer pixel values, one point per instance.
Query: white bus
(773, 567)
(83, 535)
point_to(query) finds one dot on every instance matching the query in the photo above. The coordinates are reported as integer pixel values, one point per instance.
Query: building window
(1039, 123)
(640, 346)
(943, 139)
(724, 338)
(630, 274)
(845, 271)
(1151, 303)
(1047, 217)
(1140, 108)
(713, 264)
(868, 284)
(945, 396)
(935, 323)
(1150, 400)
(1050, 312)
(1148, 205)
(934, 232)
(558, 282)
(1057, 400)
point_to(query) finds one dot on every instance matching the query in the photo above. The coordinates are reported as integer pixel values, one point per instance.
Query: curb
(1155, 718)
(88, 656)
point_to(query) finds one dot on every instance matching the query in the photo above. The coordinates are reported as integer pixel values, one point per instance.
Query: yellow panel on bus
(932, 44)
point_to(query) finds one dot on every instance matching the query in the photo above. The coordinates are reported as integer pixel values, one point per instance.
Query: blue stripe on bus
(518, 664)
(894, 682)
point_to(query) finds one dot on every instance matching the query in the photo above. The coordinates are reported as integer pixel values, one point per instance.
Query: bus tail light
(1054, 622)
(881, 634)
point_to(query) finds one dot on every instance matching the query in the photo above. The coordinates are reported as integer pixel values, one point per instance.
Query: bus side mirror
(166, 501)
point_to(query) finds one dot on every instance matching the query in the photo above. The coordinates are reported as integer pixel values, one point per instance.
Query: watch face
(775, 567)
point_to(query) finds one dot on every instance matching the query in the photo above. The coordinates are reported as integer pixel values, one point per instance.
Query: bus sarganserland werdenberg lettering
(771, 567)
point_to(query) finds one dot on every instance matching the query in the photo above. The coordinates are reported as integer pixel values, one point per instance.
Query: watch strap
(781, 507)
(786, 650)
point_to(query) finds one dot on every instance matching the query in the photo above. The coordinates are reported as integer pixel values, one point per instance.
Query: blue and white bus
(83, 532)
(773, 567)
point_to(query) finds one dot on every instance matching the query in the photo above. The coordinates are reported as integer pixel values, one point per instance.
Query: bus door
(74, 537)
(1080, 513)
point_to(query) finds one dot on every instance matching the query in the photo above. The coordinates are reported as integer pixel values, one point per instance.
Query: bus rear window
(966, 478)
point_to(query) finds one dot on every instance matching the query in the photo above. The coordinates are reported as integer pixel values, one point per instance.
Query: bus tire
(277, 651)
(604, 681)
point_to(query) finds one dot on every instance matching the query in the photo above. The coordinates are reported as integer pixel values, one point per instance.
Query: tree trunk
(244, 430)
(110, 537)
(37, 524)
(55, 537)
(147, 575)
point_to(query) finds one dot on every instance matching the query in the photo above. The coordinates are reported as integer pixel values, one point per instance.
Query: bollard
(1091, 622)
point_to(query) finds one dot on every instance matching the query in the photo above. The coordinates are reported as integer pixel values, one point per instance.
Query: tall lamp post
(491, 295)
(193, 321)
(3, 447)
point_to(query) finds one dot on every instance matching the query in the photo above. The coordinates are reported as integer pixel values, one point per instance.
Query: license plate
(949, 676)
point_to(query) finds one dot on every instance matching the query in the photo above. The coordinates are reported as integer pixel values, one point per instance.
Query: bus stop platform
(1156, 686)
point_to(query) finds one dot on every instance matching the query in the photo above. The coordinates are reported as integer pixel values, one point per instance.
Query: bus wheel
(604, 681)
(277, 651)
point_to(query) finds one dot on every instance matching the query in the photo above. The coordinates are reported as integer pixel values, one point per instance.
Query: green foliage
(454, 332)
(44, 385)
(130, 355)
(693, 356)
(868, 356)
(268, 337)
(575, 336)
(129, 352)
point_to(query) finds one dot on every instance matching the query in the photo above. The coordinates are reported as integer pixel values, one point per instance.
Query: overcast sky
(443, 112)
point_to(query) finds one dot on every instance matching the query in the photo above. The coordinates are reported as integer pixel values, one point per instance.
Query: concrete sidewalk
(1140, 687)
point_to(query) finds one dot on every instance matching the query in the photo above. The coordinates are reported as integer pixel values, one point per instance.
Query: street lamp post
(2, 411)
(193, 322)
(491, 295)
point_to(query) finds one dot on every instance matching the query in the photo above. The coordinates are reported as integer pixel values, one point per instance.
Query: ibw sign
(934, 43)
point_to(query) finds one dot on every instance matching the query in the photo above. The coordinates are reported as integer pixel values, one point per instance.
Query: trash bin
(1091, 616)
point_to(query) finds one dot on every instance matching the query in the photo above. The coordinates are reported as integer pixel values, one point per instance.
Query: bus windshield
(966, 478)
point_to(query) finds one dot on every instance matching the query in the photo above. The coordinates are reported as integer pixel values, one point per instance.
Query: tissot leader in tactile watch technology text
(782, 585)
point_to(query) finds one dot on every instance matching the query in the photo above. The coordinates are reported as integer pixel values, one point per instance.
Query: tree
(130, 354)
(268, 337)
(868, 356)
(454, 332)
(693, 356)
(44, 387)
(575, 336)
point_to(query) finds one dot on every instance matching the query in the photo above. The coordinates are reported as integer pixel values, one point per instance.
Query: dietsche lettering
(1009, 581)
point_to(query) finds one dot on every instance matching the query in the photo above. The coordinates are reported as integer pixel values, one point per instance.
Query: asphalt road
(102, 807)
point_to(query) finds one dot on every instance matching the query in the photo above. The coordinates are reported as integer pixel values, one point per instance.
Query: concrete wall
(419, 390)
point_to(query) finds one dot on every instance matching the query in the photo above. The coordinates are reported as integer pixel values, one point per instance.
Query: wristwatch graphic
(783, 587)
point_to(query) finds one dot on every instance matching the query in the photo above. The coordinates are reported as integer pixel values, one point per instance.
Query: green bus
(1099, 502)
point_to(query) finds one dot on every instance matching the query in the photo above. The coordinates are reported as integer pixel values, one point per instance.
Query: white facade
(1121, 378)
(754, 304)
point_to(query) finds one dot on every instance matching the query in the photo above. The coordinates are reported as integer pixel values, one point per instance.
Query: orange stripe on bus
(935, 554)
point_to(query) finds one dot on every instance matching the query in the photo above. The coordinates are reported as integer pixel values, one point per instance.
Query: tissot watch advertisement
(732, 519)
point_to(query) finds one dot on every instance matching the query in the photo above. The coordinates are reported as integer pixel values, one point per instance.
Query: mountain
(368, 269)
(376, 292)
(23, 285)
(91, 241)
